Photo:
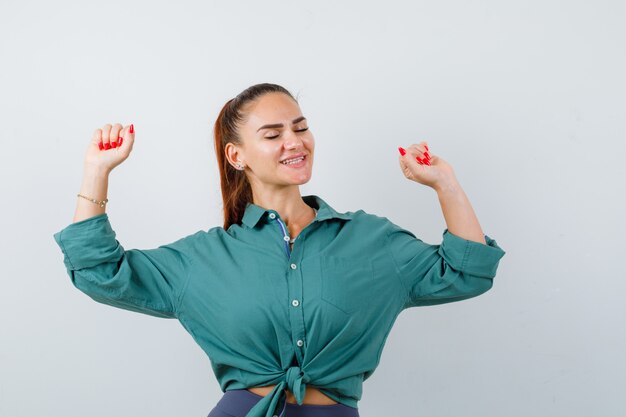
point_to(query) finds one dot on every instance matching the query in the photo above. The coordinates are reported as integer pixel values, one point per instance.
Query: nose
(293, 141)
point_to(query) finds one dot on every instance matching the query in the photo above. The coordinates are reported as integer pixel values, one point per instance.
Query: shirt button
(272, 216)
(299, 343)
(295, 303)
(293, 266)
(286, 238)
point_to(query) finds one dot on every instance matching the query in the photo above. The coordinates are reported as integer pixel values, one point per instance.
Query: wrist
(95, 183)
(450, 186)
(90, 171)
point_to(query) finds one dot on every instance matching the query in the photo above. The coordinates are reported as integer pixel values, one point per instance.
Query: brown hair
(236, 189)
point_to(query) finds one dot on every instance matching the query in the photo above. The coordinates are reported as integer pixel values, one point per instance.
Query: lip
(298, 155)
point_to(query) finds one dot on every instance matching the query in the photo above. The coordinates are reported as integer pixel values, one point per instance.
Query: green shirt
(317, 314)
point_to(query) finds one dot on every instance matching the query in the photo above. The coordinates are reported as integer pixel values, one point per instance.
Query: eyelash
(273, 137)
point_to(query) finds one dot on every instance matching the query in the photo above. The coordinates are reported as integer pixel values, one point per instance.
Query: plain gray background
(526, 100)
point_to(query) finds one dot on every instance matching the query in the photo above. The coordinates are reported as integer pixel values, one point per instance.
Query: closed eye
(273, 137)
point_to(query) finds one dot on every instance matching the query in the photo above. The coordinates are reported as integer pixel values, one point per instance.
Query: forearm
(95, 184)
(458, 212)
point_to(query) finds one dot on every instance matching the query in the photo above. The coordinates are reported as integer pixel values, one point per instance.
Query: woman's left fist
(419, 165)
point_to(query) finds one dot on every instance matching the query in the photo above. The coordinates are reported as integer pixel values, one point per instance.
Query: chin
(302, 179)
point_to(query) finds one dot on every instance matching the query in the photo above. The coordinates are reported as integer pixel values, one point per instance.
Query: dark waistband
(239, 401)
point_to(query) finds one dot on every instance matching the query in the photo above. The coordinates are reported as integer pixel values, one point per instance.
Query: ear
(233, 154)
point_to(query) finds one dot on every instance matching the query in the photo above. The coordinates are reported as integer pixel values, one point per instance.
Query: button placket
(296, 313)
(294, 284)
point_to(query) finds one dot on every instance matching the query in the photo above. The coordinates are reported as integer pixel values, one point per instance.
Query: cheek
(269, 151)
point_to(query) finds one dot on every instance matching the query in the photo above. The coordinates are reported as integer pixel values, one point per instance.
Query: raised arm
(146, 281)
(465, 263)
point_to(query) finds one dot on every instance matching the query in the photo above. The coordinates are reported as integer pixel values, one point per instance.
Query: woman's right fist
(109, 147)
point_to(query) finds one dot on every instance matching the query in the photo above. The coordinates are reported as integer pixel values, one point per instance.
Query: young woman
(291, 300)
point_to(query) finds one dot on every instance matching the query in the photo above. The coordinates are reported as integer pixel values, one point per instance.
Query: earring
(239, 166)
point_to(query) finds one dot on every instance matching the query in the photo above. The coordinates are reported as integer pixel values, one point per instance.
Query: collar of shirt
(254, 213)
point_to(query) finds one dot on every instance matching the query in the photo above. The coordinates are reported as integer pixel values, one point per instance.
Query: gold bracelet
(93, 200)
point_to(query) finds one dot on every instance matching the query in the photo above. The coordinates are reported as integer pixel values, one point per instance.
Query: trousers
(237, 403)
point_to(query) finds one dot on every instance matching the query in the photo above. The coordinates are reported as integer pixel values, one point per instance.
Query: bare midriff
(312, 395)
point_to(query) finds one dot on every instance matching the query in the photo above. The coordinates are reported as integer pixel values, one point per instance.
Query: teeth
(290, 161)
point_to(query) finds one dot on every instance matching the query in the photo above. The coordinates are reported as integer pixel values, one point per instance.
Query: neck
(288, 203)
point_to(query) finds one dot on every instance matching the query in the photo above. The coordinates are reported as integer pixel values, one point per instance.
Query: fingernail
(120, 141)
(107, 146)
(132, 129)
(100, 146)
(402, 151)
(114, 144)
(419, 160)
(426, 155)
(426, 146)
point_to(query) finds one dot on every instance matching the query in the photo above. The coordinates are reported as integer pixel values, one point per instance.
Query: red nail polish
(100, 146)
(114, 144)
(120, 141)
(426, 155)
(402, 151)
(426, 146)
(107, 145)
(419, 160)
(132, 129)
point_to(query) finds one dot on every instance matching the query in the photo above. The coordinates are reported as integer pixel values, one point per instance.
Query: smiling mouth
(294, 161)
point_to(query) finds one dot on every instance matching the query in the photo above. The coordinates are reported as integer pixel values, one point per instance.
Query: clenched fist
(109, 147)
(419, 165)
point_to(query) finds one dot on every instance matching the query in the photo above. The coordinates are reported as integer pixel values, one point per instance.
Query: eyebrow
(294, 121)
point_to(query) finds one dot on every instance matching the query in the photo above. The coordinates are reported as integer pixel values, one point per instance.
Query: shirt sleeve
(144, 281)
(455, 270)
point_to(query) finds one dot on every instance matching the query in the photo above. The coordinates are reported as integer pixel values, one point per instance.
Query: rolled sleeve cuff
(88, 243)
(471, 257)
